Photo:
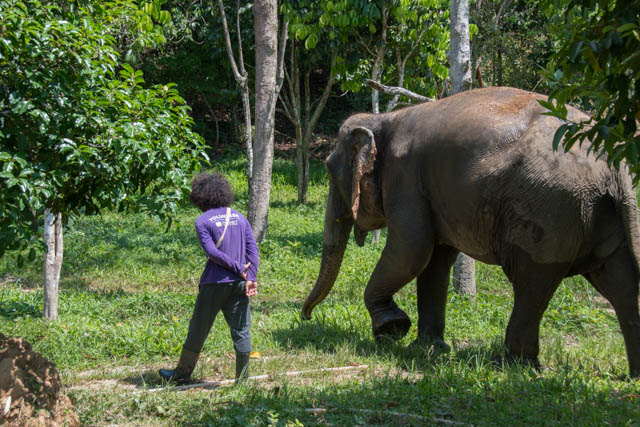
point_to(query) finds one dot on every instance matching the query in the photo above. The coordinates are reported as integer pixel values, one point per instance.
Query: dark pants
(234, 303)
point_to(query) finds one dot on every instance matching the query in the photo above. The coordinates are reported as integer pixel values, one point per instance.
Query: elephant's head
(354, 202)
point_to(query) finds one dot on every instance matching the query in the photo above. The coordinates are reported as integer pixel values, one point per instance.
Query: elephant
(477, 173)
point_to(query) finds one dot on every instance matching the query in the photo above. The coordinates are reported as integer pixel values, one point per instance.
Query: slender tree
(460, 50)
(269, 78)
(242, 78)
(298, 109)
(464, 278)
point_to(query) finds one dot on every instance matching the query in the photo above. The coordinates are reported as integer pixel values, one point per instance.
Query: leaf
(558, 136)
(148, 8)
(164, 17)
(311, 41)
(575, 50)
(626, 27)
(546, 104)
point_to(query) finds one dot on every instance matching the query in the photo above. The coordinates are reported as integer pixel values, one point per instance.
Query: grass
(128, 288)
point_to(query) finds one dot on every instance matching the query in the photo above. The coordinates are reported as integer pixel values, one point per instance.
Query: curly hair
(210, 190)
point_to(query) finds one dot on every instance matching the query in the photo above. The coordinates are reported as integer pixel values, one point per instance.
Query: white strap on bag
(226, 224)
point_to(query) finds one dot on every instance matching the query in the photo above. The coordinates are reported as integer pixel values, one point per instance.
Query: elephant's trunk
(337, 225)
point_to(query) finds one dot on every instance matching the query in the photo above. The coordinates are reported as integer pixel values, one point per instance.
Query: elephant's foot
(433, 346)
(390, 322)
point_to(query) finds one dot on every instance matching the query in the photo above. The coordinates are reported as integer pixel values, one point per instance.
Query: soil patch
(319, 147)
(30, 388)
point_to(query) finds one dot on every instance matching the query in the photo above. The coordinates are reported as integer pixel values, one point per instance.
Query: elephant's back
(510, 187)
(480, 119)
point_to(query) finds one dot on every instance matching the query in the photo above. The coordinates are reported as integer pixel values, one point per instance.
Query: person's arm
(214, 254)
(252, 255)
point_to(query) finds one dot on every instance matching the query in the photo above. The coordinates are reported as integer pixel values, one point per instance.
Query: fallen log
(216, 384)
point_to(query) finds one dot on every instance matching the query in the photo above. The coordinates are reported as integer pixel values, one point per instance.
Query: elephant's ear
(364, 145)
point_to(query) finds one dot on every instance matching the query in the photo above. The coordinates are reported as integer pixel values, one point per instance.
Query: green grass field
(128, 288)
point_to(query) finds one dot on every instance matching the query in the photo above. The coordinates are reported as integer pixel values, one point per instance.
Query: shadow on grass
(147, 379)
(13, 309)
(152, 379)
(438, 399)
(329, 338)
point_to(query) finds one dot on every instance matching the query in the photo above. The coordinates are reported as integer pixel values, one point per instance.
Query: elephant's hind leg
(433, 284)
(533, 286)
(617, 281)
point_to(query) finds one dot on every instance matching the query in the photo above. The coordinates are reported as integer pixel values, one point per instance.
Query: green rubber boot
(182, 373)
(242, 367)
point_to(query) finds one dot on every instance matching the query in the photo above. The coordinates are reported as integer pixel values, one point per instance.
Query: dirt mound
(30, 388)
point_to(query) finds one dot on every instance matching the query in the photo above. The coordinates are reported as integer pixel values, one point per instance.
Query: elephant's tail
(628, 207)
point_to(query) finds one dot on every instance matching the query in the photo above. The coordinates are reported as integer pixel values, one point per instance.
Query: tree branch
(397, 90)
(503, 6)
(325, 94)
(240, 54)
(282, 46)
(240, 78)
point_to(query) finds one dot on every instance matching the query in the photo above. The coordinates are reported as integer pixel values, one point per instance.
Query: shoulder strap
(226, 224)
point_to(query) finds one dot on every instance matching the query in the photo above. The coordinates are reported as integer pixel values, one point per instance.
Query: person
(229, 277)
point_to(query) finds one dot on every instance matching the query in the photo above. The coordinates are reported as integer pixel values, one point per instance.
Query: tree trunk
(52, 263)
(302, 162)
(499, 67)
(460, 49)
(464, 278)
(265, 22)
(248, 140)
(378, 63)
(464, 275)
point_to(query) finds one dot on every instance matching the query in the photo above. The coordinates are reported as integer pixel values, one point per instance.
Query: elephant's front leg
(433, 284)
(405, 255)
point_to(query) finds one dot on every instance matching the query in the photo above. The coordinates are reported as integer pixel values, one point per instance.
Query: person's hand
(251, 288)
(244, 270)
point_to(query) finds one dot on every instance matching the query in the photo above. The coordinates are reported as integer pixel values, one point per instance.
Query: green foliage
(328, 26)
(353, 29)
(194, 57)
(512, 43)
(134, 24)
(597, 65)
(80, 133)
(427, 68)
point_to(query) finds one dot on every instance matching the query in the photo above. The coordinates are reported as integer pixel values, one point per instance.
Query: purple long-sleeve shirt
(225, 264)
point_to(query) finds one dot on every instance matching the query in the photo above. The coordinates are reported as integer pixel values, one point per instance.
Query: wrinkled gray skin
(476, 173)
